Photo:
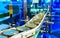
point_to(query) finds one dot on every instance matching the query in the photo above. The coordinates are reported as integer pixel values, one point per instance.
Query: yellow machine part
(10, 9)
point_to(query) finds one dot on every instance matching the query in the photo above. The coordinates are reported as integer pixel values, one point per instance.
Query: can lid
(1, 36)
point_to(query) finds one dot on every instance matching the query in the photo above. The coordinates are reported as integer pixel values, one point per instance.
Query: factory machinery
(33, 27)
(28, 30)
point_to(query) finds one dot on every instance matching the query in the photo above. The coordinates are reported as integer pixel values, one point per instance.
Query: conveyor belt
(4, 26)
(28, 26)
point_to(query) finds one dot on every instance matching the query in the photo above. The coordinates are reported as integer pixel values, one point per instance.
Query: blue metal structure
(21, 12)
(56, 15)
(55, 12)
(19, 4)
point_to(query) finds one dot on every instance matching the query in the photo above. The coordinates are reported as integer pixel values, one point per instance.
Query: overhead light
(17, 0)
(47, 1)
(35, 1)
(31, 5)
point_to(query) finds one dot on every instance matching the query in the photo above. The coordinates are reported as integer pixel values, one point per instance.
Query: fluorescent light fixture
(47, 1)
(17, 0)
(8, 0)
(35, 1)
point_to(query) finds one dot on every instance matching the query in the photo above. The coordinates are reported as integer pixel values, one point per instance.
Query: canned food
(1, 36)
(22, 28)
(10, 32)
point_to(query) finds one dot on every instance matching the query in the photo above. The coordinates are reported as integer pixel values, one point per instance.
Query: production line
(21, 31)
(29, 18)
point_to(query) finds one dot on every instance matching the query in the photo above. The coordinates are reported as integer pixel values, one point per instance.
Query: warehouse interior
(29, 18)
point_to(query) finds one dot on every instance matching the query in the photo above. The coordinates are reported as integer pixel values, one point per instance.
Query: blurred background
(19, 12)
